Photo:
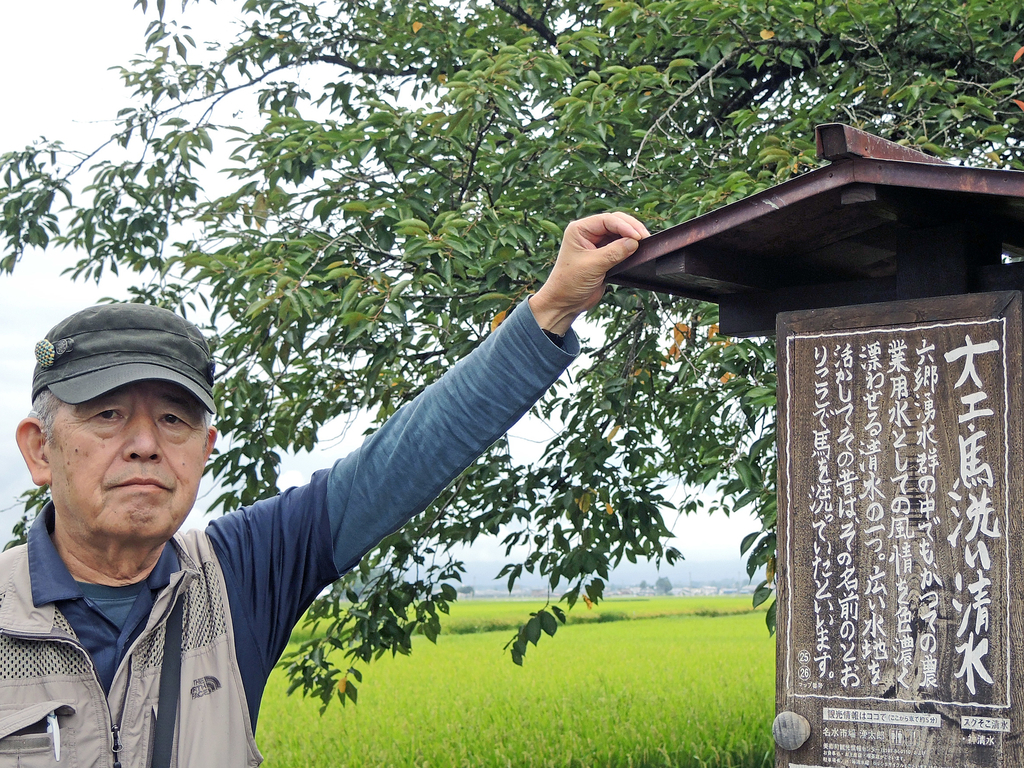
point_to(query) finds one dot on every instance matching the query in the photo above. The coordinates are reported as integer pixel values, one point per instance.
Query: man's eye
(170, 418)
(110, 414)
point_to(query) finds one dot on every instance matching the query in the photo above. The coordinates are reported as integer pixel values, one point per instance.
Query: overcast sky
(55, 56)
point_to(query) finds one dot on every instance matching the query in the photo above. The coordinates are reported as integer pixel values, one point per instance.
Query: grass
(678, 690)
(471, 616)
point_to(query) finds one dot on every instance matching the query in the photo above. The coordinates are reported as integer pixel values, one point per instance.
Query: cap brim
(89, 385)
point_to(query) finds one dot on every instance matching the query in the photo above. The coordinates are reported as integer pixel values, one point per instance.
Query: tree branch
(685, 94)
(524, 18)
(638, 320)
(378, 71)
(481, 134)
(743, 98)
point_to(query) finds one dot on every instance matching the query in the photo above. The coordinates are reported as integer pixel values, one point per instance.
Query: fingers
(618, 250)
(590, 248)
(611, 237)
(597, 229)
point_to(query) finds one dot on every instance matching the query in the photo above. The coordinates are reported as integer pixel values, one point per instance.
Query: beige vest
(44, 670)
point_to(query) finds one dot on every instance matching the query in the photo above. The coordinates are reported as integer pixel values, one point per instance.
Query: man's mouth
(141, 482)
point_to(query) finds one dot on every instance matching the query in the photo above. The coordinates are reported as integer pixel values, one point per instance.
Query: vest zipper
(115, 731)
(115, 728)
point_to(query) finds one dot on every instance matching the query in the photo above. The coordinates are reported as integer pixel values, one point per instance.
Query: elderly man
(120, 432)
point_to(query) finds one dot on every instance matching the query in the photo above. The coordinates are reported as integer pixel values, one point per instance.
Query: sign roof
(847, 233)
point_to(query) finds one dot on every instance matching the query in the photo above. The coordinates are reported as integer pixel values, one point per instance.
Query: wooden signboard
(901, 594)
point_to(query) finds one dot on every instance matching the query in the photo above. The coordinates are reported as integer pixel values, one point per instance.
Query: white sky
(55, 55)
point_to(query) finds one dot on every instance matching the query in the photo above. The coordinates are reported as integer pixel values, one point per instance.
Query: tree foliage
(396, 175)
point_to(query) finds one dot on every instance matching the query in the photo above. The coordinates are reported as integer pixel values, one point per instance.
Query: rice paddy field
(685, 682)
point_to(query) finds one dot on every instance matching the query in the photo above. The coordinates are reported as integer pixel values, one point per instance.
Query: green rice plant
(469, 615)
(682, 691)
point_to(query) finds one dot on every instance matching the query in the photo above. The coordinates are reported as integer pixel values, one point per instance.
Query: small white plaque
(882, 717)
(996, 724)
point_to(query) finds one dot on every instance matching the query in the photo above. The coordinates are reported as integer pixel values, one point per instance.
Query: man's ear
(32, 444)
(211, 438)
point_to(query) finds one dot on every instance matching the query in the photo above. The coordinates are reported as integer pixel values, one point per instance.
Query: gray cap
(105, 347)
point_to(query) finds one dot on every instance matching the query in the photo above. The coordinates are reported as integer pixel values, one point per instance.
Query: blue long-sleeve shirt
(279, 553)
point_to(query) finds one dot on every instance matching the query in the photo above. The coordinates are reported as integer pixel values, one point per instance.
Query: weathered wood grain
(878, 659)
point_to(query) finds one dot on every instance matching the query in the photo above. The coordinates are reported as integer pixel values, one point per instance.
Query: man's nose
(141, 439)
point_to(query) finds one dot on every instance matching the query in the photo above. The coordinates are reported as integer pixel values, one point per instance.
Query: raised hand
(590, 247)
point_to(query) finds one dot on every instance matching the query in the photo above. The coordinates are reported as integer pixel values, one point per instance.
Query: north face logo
(204, 686)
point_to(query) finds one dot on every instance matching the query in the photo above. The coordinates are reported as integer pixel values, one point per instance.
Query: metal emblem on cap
(47, 352)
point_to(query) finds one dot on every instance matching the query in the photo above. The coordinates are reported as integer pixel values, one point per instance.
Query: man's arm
(280, 552)
(400, 469)
(403, 466)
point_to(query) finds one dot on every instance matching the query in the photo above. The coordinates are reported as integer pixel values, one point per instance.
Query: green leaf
(618, 15)
(748, 541)
(531, 630)
(762, 593)
(769, 618)
(547, 623)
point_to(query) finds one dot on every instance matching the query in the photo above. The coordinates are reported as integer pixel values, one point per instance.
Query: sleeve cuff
(522, 320)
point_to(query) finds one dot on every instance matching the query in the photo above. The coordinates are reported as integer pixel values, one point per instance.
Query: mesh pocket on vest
(23, 659)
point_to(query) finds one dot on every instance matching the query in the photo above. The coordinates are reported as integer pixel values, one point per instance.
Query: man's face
(124, 468)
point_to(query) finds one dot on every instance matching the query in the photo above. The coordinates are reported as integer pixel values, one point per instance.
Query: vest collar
(30, 592)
